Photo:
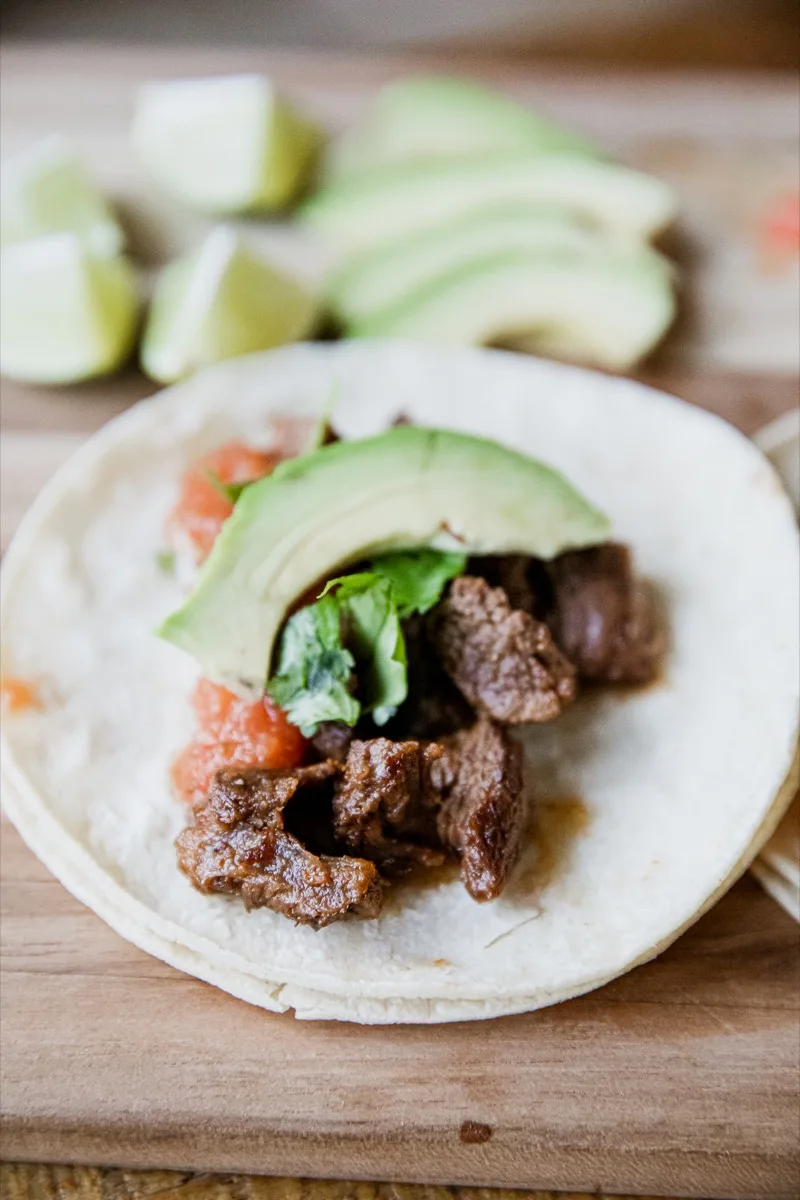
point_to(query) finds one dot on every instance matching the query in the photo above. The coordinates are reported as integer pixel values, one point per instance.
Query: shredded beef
(385, 804)
(602, 617)
(239, 845)
(504, 661)
(482, 816)
(332, 740)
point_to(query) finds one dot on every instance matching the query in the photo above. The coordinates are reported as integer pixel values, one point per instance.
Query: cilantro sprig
(345, 654)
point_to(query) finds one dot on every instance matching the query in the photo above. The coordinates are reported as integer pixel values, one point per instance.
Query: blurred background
(697, 95)
(744, 33)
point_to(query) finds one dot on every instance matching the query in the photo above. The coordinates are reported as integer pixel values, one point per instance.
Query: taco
(468, 708)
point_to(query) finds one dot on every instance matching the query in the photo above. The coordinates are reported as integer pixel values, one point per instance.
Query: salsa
(17, 695)
(232, 732)
(202, 507)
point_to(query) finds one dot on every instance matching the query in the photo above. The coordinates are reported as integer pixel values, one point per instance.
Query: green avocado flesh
(435, 116)
(406, 488)
(400, 201)
(608, 307)
(368, 283)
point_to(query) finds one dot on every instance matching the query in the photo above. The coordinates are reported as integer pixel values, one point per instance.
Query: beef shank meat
(504, 661)
(482, 816)
(602, 617)
(386, 801)
(240, 845)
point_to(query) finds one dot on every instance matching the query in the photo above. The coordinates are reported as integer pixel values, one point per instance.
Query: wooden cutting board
(681, 1078)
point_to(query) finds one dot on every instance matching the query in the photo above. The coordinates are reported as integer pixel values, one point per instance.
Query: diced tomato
(201, 509)
(233, 733)
(17, 695)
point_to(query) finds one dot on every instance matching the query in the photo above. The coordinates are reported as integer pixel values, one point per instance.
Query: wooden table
(680, 1078)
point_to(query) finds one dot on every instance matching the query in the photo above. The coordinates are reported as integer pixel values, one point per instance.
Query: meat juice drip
(423, 879)
(555, 824)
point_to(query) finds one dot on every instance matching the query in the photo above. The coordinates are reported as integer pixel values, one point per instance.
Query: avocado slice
(401, 201)
(608, 308)
(378, 279)
(438, 117)
(406, 488)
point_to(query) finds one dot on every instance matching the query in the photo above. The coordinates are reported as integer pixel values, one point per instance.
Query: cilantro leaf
(355, 626)
(418, 577)
(372, 629)
(314, 669)
(323, 432)
(165, 561)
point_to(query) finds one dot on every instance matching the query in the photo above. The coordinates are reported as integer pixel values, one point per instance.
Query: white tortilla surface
(681, 783)
(778, 865)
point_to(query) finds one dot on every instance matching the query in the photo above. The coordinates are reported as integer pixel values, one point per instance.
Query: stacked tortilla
(778, 865)
(681, 784)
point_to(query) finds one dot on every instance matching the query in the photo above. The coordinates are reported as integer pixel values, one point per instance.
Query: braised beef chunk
(602, 617)
(515, 573)
(434, 706)
(239, 845)
(504, 661)
(309, 843)
(332, 740)
(483, 815)
(385, 804)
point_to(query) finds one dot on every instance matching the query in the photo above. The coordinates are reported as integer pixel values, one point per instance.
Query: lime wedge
(220, 302)
(46, 189)
(224, 145)
(66, 312)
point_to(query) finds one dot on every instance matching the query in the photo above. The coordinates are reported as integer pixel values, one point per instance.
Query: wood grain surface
(26, 1181)
(680, 1079)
